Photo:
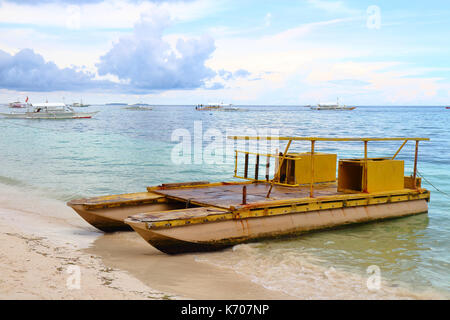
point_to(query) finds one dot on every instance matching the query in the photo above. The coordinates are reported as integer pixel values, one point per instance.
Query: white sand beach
(44, 243)
(41, 256)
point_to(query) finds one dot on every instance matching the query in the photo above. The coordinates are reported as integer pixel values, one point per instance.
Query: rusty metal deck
(119, 199)
(226, 196)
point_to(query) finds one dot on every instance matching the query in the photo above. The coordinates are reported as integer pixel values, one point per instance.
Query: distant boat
(18, 104)
(140, 105)
(80, 104)
(50, 111)
(138, 108)
(213, 106)
(447, 107)
(332, 106)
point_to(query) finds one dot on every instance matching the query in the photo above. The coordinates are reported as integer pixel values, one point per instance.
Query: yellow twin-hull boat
(203, 216)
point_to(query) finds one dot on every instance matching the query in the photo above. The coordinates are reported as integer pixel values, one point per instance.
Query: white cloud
(148, 62)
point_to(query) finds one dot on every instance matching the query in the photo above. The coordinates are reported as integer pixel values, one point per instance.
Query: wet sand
(41, 255)
(180, 274)
(35, 267)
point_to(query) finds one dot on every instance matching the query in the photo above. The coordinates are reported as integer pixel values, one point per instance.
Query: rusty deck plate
(189, 213)
(226, 196)
(117, 199)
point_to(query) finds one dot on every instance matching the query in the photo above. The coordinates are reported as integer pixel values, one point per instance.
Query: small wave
(304, 276)
(12, 182)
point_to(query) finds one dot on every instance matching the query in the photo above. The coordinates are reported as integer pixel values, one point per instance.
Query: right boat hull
(217, 235)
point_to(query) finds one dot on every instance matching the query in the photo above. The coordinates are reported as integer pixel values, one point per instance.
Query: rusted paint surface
(324, 139)
(214, 236)
(116, 200)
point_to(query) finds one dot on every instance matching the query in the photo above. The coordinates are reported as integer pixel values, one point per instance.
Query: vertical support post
(365, 150)
(257, 167)
(311, 185)
(276, 162)
(235, 162)
(415, 164)
(267, 168)
(246, 166)
(365, 168)
(277, 174)
(244, 195)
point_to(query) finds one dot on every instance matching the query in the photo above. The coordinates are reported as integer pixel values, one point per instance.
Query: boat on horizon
(300, 193)
(79, 104)
(213, 106)
(331, 106)
(447, 107)
(17, 104)
(49, 111)
(138, 108)
(116, 104)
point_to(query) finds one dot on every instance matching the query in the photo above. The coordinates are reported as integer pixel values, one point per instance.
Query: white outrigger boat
(50, 111)
(18, 104)
(214, 106)
(331, 106)
(80, 104)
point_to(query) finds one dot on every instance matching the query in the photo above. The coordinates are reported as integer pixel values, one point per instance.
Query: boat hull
(337, 108)
(218, 235)
(108, 213)
(34, 115)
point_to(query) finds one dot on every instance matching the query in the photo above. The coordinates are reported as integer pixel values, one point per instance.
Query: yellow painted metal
(324, 164)
(290, 206)
(311, 184)
(370, 175)
(119, 200)
(324, 167)
(323, 139)
(206, 185)
(366, 181)
(276, 177)
(290, 157)
(411, 183)
(415, 161)
(399, 149)
(385, 175)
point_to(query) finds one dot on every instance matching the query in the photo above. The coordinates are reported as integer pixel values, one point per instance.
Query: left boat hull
(217, 235)
(111, 219)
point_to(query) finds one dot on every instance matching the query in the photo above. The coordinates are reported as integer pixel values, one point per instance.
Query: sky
(246, 52)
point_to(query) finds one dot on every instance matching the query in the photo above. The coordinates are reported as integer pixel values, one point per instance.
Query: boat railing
(259, 161)
(313, 140)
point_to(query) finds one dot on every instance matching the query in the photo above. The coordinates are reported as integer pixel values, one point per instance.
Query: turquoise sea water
(123, 150)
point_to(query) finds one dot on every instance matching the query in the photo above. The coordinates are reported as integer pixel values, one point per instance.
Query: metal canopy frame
(313, 141)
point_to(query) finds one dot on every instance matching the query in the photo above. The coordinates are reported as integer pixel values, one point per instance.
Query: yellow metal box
(297, 170)
(373, 175)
